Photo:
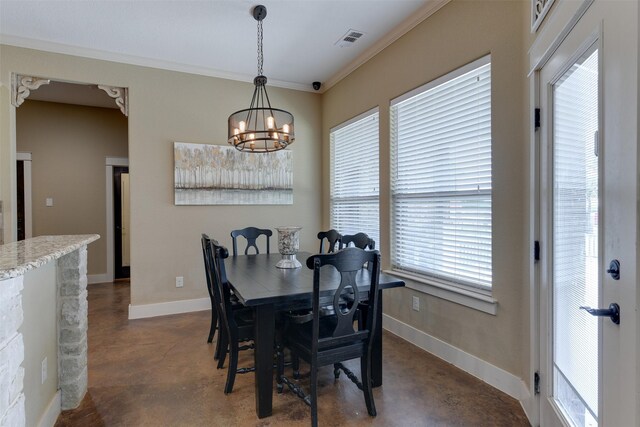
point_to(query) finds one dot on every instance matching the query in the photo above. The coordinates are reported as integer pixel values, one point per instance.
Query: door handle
(612, 312)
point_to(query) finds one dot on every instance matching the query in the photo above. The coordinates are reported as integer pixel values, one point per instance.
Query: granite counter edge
(74, 242)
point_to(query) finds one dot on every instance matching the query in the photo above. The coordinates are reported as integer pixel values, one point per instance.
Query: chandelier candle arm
(260, 128)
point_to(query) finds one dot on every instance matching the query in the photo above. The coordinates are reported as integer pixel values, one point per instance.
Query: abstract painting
(207, 174)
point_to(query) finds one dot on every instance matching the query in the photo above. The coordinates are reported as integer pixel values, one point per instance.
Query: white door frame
(561, 22)
(110, 163)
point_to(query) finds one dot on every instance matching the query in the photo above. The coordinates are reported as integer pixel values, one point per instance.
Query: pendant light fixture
(260, 128)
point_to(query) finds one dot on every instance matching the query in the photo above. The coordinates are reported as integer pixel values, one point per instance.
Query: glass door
(575, 240)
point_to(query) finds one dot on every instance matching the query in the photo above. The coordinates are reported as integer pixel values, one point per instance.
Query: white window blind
(441, 178)
(355, 180)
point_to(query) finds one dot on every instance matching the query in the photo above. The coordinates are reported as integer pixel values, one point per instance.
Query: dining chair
(359, 240)
(251, 234)
(215, 323)
(333, 239)
(331, 340)
(204, 241)
(237, 321)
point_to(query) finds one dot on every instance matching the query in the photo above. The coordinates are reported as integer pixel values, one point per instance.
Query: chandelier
(260, 128)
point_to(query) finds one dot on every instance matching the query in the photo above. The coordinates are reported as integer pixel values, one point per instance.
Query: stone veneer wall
(72, 338)
(72, 327)
(11, 353)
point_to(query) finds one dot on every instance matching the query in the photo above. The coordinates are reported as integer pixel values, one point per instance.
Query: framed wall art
(207, 174)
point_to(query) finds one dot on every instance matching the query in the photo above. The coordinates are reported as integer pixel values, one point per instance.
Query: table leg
(376, 354)
(263, 355)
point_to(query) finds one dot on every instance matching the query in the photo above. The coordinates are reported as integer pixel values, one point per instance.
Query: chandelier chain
(260, 57)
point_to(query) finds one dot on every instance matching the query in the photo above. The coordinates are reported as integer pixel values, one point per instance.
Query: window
(354, 176)
(441, 178)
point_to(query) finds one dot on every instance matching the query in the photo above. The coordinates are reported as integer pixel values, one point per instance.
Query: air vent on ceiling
(349, 38)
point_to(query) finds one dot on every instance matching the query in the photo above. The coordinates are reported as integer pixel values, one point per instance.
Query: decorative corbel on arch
(21, 87)
(120, 94)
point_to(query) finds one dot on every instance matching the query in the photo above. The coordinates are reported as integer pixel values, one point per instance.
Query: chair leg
(295, 365)
(223, 345)
(365, 369)
(280, 369)
(336, 371)
(218, 351)
(314, 395)
(233, 367)
(214, 325)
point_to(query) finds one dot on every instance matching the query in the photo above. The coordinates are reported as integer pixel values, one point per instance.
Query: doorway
(121, 222)
(587, 217)
(71, 129)
(24, 225)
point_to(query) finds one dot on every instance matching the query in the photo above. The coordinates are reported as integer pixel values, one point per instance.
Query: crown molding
(426, 11)
(102, 55)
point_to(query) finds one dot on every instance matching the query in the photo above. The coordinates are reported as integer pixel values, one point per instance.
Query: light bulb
(236, 131)
(285, 128)
(270, 122)
(252, 137)
(242, 125)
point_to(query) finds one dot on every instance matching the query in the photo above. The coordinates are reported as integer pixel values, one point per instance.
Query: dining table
(258, 283)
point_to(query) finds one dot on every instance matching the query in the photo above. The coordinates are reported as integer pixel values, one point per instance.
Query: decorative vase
(288, 246)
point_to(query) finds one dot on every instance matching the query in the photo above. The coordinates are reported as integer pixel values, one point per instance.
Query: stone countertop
(19, 257)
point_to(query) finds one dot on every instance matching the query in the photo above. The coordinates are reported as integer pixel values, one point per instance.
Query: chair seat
(304, 316)
(300, 336)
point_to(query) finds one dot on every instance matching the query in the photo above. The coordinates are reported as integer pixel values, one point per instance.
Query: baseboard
(529, 406)
(51, 413)
(490, 374)
(98, 278)
(166, 308)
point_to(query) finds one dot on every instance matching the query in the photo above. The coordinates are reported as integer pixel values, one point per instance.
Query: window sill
(478, 300)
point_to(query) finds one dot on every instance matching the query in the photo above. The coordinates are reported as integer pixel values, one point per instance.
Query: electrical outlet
(416, 303)
(179, 282)
(43, 374)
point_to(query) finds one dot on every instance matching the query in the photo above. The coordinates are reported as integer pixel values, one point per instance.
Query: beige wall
(69, 144)
(38, 329)
(457, 34)
(167, 106)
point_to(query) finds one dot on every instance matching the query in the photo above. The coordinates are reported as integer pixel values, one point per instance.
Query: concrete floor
(160, 372)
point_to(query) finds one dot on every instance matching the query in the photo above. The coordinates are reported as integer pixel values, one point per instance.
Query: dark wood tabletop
(256, 280)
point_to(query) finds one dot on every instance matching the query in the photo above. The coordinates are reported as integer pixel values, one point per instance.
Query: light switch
(49, 201)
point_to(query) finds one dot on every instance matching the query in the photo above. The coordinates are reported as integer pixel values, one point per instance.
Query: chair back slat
(204, 241)
(359, 240)
(222, 292)
(345, 313)
(251, 234)
(333, 239)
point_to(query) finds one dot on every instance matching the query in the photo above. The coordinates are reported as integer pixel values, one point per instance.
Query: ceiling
(217, 37)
